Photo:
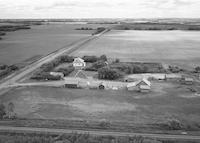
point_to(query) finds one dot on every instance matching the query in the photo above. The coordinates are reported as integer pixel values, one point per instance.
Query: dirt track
(100, 133)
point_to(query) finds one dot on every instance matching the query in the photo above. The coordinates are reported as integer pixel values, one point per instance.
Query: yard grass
(167, 100)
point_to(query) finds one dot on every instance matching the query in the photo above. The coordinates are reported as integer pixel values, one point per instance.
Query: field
(27, 45)
(170, 47)
(167, 100)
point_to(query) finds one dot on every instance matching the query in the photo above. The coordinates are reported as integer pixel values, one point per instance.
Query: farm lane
(61, 83)
(29, 69)
(92, 132)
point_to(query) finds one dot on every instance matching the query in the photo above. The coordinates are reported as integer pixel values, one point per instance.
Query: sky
(99, 9)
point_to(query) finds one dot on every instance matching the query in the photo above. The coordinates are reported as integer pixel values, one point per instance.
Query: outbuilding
(188, 80)
(143, 85)
(71, 84)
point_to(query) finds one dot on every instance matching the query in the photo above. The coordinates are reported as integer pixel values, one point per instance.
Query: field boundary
(92, 132)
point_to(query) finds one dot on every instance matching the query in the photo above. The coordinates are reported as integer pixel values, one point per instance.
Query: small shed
(71, 84)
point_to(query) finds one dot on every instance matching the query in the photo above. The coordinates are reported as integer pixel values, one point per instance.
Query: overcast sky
(99, 8)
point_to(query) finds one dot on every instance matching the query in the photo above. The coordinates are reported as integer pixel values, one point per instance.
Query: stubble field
(170, 47)
(25, 45)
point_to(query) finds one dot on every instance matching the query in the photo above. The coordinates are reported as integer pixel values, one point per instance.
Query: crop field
(166, 100)
(26, 45)
(170, 47)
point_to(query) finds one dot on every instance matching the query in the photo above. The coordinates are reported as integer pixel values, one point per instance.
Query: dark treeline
(84, 28)
(5, 70)
(8, 28)
(156, 26)
(99, 30)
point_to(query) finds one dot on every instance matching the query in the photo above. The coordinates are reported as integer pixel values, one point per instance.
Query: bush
(117, 60)
(107, 73)
(175, 69)
(96, 66)
(45, 76)
(3, 67)
(7, 70)
(90, 59)
(2, 111)
(103, 58)
(130, 68)
(174, 124)
(197, 69)
(66, 59)
(66, 71)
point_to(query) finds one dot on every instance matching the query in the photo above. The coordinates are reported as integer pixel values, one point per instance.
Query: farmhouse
(79, 63)
(142, 86)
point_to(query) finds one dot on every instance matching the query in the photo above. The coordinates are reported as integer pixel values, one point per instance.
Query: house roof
(78, 60)
(138, 82)
(146, 81)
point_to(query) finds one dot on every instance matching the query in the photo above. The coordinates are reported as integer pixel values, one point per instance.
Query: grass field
(23, 45)
(166, 100)
(171, 47)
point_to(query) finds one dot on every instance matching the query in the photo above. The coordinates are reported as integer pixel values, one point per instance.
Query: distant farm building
(79, 63)
(187, 80)
(142, 86)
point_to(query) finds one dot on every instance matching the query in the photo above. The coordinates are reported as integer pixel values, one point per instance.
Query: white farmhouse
(79, 63)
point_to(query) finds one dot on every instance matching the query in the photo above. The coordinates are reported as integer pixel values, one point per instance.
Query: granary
(57, 74)
(79, 63)
(142, 86)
